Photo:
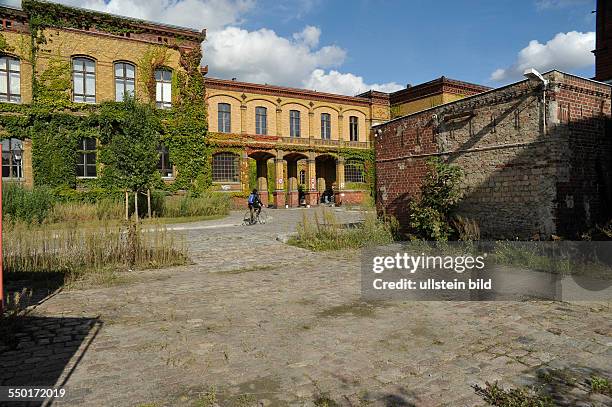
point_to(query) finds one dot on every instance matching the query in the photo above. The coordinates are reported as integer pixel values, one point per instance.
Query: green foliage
(430, 214)
(52, 86)
(601, 385)
(129, 136)
(4, 45)
(26, 205)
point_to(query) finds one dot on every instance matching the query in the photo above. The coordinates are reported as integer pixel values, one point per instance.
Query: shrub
(29, 205)
(326, 233)
(467, 229)
(429, 215)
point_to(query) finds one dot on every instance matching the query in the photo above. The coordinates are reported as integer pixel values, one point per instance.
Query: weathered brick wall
(513, 168)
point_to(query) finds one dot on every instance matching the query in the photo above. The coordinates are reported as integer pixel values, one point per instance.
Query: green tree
(129, 136)
(430, 214)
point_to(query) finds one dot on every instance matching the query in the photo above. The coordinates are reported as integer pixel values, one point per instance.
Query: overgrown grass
(324, 232)
(105, 209)
(208, 204)
(88, 252)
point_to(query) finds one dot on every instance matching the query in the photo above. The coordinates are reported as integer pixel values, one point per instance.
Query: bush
(29, 205)
(429, 215)
(326, 233)
(207, 204)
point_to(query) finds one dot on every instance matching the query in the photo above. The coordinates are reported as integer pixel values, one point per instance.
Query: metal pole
(1, 265)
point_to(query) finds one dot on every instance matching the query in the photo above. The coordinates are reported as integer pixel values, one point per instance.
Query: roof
(248, 87)
(435, 87)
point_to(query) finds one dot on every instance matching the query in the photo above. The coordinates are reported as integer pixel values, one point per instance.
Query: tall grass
(74, 250)
(30, 205)
(324, 232)
(208, 204)
(105, 209)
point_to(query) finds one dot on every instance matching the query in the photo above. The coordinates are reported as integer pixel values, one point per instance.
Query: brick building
(537, 160)
(603, 44)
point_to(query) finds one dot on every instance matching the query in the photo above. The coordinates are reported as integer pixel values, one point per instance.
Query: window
(225, 167)
(164, 165)
(353, 128)
(84, 80)
(12, 163)
(353, 171)
(325, 126)
(86, 161)
(163, 88)
(294, 123)
(124, 80)
(10, 80)
(224, 119)
(261, 120)
(302, 177)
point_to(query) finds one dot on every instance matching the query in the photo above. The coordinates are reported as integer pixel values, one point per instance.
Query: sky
(351, 46)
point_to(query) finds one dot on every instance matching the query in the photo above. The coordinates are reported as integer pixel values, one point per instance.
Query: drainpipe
(536, 77)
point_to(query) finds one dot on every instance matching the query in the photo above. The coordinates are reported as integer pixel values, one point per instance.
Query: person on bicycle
(254, 203)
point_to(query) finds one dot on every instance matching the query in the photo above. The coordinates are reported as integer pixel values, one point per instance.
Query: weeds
(498, 396)
(325, 232)
(467, 229)
(11, 319)
(601, 385)
(29, 205)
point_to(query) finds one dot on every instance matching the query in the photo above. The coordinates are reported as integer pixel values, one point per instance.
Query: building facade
(302, 145)
(536, 160)
(106, 58)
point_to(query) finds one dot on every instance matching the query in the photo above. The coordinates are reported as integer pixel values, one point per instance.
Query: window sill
(87, 177)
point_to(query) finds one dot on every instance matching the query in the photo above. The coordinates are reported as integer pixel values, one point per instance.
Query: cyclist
(254, 204)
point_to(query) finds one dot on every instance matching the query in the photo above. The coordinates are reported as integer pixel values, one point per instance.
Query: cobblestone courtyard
(270, 324)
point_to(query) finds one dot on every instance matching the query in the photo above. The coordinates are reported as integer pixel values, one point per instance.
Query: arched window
(83, 80)
(354, 128)
(125, 75)
(163, 88)
(224, 118)
(294, 123)
(12, 158)
(225, 167)
(10, 79)
(354, 171)
(261, 120)
(302, 177)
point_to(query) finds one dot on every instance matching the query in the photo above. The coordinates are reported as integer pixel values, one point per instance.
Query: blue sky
(349, 46)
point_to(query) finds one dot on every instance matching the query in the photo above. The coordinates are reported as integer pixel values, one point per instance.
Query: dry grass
(105, 209)
(325, 232)
(209, 204)
(79, 252)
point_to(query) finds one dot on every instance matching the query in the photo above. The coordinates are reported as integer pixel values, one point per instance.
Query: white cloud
(198, 14)
(254, 56)
(554, 4)
(344, 83)
(566, 52)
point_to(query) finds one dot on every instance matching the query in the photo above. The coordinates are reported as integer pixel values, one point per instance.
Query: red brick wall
(518, 177)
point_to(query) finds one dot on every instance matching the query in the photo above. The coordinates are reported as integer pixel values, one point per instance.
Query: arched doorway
(326, 176)
(295, 192)
(261, 159)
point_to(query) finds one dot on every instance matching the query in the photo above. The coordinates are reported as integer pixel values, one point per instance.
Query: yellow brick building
(298, 135)
(104, 65)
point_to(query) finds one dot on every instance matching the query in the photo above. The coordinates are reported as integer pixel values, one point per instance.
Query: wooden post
(127, 205)
(149, 202)
(136, 204)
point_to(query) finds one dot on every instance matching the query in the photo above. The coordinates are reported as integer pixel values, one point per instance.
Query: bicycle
(258, 218)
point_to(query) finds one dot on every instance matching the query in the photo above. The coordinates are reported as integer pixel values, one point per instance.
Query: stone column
(310, 126)
(262, 181)
(312, 196)
(279, 191)
(340, 128)
(340, 187)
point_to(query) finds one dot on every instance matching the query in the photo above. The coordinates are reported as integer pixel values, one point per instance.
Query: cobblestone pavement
(263, 321)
